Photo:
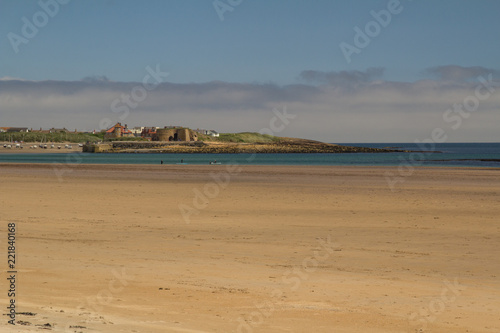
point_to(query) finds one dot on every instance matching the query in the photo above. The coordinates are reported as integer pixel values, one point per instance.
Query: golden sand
(252, 249)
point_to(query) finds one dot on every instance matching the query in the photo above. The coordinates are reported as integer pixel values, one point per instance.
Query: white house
(211, 133)
(136, 130)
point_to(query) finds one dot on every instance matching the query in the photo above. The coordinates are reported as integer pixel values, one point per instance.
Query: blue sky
(261, 43)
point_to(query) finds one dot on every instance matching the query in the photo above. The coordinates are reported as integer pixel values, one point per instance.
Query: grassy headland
(50, 137)
(230, 143)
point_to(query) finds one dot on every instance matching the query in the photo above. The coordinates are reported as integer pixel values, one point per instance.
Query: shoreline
(49, 165)
(284, 145)
(187, 166)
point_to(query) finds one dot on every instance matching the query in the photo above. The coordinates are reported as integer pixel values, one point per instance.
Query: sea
(432, 154)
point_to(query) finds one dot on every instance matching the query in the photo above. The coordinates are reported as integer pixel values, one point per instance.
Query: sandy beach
(118, 248)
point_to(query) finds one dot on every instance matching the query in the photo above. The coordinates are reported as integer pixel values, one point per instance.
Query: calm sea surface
(453, 154)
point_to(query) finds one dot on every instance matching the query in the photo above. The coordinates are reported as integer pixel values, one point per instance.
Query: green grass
(50, 137)
(244, 137)
(204, 137)
(127, 138)
(247, 137)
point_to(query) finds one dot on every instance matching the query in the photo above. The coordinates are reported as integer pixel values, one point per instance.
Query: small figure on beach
(161, 162)
(182, 160)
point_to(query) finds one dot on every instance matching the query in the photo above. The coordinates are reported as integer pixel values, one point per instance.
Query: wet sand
(107, 248)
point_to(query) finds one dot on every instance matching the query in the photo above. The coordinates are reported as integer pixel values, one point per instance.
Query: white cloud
(346, 107)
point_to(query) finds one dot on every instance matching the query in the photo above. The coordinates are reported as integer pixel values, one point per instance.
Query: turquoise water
(453, 154)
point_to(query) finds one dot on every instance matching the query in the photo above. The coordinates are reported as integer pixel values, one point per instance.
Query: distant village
(166, 133)
(115, 132)
(154, 133)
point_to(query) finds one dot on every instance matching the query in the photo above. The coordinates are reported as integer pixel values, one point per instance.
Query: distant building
(14, 129)
(137, 131)
(39, 131)
(212, 133)
(118, 131)
(149, 132)
(207, 132)
(174, 134)
(58, 130)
